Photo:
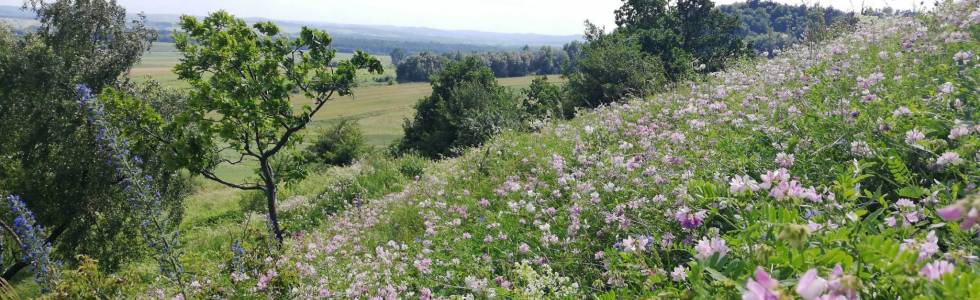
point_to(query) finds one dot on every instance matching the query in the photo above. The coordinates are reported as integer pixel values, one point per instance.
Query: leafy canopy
(243, 81)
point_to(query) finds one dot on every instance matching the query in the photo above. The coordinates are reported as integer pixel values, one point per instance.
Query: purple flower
(785, 160)
(949, 158)
(679, 274)
(811, 286)
(689, 219)
(936, 269)
(761, 287)
(913, 136)
(965, 210)
(706, 248)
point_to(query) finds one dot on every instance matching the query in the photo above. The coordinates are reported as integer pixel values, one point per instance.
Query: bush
(543, 99)
(612, 68)
(466, 107)
(412, 166)
(338, 145)
(420, 67)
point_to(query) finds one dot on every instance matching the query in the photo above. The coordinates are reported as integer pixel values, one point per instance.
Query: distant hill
(378, 39)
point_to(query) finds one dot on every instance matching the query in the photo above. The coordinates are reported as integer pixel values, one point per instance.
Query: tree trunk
(271, 193)
(20, 265)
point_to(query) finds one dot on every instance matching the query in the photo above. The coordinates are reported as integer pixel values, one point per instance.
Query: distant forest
(765, 25)
(768, 25)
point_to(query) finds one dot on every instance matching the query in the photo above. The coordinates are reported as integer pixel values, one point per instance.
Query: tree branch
(215, 178)
(12, 233)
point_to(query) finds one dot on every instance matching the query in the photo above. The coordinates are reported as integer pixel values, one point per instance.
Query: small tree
(397, 56)
(338, 145)
(242, 81)
(611, 68)
(467, 106)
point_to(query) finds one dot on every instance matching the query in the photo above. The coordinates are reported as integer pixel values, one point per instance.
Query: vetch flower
(949, 158)
(785, 160)
(967, 211)
(811, 286)
(689, 219)
(761, 287)
(936, 269)
(706, 248)
(679, 274)
(913, 136)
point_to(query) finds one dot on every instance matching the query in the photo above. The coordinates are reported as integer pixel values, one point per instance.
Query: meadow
(846, 167)
(379, 108)
(828, 172)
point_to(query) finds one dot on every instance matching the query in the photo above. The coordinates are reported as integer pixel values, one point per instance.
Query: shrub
(338, 145)
(466, 107)
(543, 99)
(412, 166)
(610, 69)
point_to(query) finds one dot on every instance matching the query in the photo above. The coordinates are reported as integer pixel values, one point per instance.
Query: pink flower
(423, 265)
(761, 287)
(959, 132)
(785, 160)
(706, 248)
(425, 294)
(811, 286)
(936, 269)
(951, 213)
(679, 274)
(913, 136)
(967, 210)
(689, 219)
(739, 185)
(949, 158)
(523, 248)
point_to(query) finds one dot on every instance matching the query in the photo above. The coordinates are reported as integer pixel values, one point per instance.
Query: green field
(379, 108)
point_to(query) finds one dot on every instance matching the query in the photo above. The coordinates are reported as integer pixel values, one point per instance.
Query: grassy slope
(577, 193)
(582, 188)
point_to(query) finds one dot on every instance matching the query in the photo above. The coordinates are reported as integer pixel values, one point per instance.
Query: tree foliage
(611, 68)
(542, 61)
(338, 145)
(466, 107)
(242, 81)
(420, 67)
(769, 26)
(48, 155)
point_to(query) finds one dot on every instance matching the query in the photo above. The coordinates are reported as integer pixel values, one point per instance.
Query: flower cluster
(32, 240)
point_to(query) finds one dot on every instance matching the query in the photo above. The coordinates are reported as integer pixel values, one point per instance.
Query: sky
(557, 17)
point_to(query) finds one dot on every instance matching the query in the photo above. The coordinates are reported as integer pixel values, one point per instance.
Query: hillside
(840, 169)
(843, 168)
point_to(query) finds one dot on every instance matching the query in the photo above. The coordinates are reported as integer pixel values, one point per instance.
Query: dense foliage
(50, 157)
(242, 80)
(611, 68)
(847, 167)
(338, 145)
(466, 107)
(543, 61)
(769, 26)
(420, 67)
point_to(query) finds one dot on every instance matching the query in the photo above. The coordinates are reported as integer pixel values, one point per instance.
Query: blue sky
(516, 16)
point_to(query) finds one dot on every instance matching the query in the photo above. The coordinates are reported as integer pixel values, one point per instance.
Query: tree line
(765, 26)
(545, 60)
(768, 25)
